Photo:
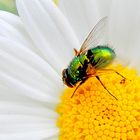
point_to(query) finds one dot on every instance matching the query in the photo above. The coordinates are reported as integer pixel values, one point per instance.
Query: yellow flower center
(93, 114)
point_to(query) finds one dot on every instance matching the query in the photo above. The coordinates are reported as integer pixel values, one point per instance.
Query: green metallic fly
(91, 58)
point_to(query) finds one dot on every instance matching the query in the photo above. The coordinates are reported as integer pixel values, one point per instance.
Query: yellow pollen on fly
(92, 114)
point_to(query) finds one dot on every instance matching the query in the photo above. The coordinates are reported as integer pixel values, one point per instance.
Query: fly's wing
(95, 36)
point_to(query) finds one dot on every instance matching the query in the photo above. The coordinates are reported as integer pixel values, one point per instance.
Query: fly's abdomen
(100, 56)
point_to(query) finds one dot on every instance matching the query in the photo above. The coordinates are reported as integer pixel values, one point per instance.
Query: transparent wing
(95, 36)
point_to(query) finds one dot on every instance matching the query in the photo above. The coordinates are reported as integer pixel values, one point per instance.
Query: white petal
(28, 73)
(48, 27)
(12, 123)
(56, 137)
(39, 111)
(82, 15)
(13, 28)
(35, 135)
(104, 7)
(124, 29)
(27, 120)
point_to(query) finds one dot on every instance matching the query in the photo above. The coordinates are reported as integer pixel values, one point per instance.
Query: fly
(91, 58)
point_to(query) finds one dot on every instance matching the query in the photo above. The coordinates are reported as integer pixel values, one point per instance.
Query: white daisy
(38, 44)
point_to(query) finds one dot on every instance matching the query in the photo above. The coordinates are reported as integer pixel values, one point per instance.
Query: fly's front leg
(79, 85)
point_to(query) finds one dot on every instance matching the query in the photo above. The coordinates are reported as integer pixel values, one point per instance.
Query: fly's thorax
(101, 56)
(77, 68)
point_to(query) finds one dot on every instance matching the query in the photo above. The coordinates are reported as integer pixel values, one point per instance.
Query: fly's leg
(79, 86)
(120, 74)
(124, 78)
(98, 78)
(84, 79)
(113, 71)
